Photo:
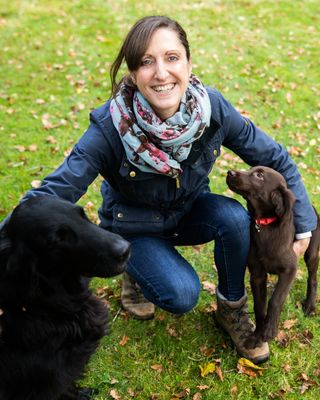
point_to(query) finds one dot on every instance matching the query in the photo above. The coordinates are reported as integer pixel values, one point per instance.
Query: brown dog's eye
(259, 175)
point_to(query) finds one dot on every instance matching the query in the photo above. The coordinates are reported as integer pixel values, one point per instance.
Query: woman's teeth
(164, 88)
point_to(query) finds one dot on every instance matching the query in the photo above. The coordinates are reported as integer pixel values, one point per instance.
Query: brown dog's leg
(311, 258)
(276, 302)
(258, 282)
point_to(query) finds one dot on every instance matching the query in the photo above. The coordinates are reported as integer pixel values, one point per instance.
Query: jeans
(168, 280)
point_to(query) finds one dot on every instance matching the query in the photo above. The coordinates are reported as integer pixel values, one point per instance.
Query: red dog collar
(264, 221)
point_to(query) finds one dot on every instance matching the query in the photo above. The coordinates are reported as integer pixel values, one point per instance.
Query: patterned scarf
(154, 145)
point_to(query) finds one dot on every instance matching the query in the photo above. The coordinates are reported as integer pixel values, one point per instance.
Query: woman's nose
(161, 71)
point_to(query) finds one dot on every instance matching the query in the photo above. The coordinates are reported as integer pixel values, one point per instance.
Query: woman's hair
(136, 44)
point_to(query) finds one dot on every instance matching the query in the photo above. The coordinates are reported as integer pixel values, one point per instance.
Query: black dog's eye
(259, 175)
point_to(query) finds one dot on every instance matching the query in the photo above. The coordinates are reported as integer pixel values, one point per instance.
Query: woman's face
(163, 75)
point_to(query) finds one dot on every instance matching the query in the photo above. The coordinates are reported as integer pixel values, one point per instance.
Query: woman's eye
(173, 58)
(146, 61)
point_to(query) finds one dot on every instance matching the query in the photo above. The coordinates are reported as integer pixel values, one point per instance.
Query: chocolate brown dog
(270, 204)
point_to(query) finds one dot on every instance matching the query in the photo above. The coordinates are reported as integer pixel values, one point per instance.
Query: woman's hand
(300, 246)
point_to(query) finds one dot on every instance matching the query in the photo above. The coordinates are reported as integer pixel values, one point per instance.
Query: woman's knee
(181, 298)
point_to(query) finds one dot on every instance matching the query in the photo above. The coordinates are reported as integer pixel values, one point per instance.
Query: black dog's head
(264, 189)
(55, 236)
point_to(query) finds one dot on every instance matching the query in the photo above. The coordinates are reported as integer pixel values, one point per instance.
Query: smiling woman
(155, 143)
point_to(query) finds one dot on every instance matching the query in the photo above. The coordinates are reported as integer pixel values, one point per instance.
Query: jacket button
(132, 174)
(215, 152)
(125, 164)
(120, 215)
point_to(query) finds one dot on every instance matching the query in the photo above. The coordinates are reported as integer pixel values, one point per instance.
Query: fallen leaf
(247, 363)
(20, 148)
(206, 369)
(289, 323)
(218, 371)
(197, 396)
(157, 367)
(114, 394)
(209, 287)
(33, 147)
(207, 351)
(203, 387)
(35, 183)
(234, 390)
(124, 340)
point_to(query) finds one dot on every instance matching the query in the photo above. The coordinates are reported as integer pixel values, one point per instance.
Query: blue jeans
(168, 280)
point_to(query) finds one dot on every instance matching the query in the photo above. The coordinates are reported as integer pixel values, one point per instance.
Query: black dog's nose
(122, 249)
(231, 173)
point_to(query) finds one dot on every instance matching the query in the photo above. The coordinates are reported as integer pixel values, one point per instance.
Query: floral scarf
(154, 145)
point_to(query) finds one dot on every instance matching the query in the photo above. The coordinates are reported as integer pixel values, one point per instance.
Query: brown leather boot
(233, 318)
(133, 301)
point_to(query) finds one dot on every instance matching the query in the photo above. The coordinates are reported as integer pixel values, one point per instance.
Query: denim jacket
(136, 202)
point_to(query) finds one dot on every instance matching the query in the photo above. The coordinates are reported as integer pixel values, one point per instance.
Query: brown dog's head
(264, 189)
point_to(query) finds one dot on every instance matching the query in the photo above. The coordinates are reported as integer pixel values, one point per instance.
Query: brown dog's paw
(309, 307)
(252, 342)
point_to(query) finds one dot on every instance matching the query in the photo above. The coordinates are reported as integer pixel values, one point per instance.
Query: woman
(155, 144)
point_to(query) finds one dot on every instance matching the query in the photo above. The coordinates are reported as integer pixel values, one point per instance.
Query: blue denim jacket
(138, 202)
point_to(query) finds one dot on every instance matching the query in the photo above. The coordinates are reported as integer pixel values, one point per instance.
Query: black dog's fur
(50, 322)
(271, 249)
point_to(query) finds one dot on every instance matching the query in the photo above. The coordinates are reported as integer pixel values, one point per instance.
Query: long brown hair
(136, 43)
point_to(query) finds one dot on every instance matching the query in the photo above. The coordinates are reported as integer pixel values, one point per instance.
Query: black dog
(50, 322)
(270, 205)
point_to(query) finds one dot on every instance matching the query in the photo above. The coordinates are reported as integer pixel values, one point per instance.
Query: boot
(133, 301)
(233, 318)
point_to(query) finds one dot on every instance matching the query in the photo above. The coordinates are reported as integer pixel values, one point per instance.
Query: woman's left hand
(300, 246)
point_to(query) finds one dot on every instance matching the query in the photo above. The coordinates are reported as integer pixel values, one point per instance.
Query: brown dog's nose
(231, 173)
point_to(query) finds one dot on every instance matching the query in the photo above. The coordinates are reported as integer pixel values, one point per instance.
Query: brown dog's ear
(283, 200)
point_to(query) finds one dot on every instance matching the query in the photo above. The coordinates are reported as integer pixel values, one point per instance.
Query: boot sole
(139, 317)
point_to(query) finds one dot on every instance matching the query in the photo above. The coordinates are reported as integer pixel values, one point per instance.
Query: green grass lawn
(264, 57)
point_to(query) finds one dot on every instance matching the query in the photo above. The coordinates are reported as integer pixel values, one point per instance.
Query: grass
(264, 57)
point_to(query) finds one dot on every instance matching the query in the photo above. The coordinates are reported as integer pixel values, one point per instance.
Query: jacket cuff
(303, 235)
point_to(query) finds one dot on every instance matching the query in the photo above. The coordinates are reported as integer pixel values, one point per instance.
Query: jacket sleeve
(256, 148)
(86, 160)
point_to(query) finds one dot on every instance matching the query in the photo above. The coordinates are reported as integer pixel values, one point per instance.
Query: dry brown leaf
(32, 147)
(172, 332)
(124, 340)
(51, 139)
(35, 183)
(234, 390)
(197, 396)
(219, 373)
(131, 392)
(20, 148)
(289, 323)
(157, 367)
(209, 287)
(207, 351)
(114, 394)
(282, 338)
(203, 387)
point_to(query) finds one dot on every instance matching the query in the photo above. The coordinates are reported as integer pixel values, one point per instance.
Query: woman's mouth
(164, 88)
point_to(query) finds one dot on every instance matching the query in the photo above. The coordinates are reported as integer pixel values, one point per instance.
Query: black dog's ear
(21, 262)
(283, 200)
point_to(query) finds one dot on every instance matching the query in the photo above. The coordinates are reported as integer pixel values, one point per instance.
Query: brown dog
(270, 205)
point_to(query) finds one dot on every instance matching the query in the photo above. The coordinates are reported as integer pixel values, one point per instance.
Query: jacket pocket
(136, 220)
